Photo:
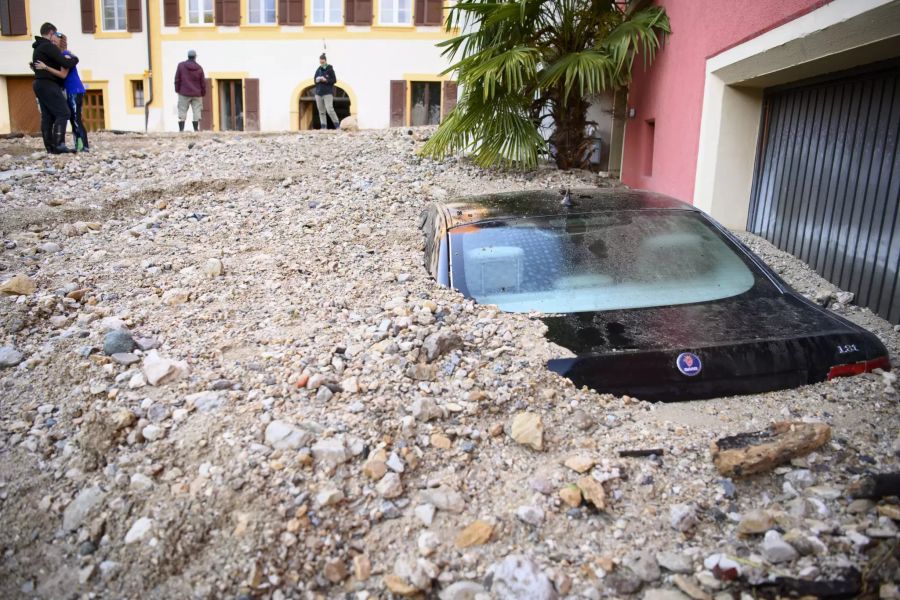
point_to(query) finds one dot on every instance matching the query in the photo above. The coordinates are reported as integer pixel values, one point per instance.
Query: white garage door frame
(837, 36)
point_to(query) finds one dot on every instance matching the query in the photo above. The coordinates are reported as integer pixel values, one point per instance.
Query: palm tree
(525, 65)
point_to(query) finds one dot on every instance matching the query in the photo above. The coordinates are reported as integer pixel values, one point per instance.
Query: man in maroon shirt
(190, 85)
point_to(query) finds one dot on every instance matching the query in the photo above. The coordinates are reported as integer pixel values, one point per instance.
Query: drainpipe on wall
(148, 101)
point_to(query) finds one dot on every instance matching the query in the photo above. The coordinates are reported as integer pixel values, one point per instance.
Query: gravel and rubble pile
(225, 373)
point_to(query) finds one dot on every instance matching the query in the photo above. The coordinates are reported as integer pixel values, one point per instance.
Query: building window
(200, 12)
(114, 15)
(261, 12)
(426, 103)
(137, 92)
(396, 12)
(327, 12)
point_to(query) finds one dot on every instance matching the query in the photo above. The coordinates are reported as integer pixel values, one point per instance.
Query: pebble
(281, 435)
(118, 341)
(516, 577)
(139, 530)
(533, 515)
(528, 429)
(644, 565)
(683, 517)
(475, 533)
(775, 550)
(10, 357)
(425, 513)
(462, 590)
(390, 486)
(153, 432)
(755, 522)
(675, 562)
(444, 499)
(78, 509)
(18, 285)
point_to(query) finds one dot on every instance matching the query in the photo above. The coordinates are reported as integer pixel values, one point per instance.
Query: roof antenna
(566, 198)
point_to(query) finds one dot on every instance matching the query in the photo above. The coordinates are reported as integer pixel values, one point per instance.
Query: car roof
(540, 203)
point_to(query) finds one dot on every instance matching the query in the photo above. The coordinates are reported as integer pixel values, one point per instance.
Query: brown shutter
(419, 12)
(449, 100)
(88, 22)
(398, 103)
(251, 105)
(12, 17)
(358, 12)
(228, 12)
(434, 12)
(206, 121)
(133, 19)
(349, 12)
(171, 16)
(290, 12)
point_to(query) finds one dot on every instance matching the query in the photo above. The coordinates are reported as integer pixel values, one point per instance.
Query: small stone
(891, 511)
(441, 441)
(329, 497)
(81, 506)
(394, 463)
(335, 570)
(438, 344)
(427, 543)
(330, 452)
(374, 469)
(160, 371)
(528, 429)
(425, 513)
(571, 495)
(118, 341)
(533, 515)
(801, 478)
(476, 533)
(137, 381)
(284, 436)
(125, 358)
(664, 594)
(580, 464)
(593, 492)
(755, 522)
(18, 285)
(687, 585)
(644, 565)
(861, 506)
(175, 296)
(362, 567)
(213, 268)
(775, 550)
(10, 357)
(675, 562)
(398, 586)
(444, 499)
(153, 432)
(141, 482)
(683, 517)
(390, 486)
(462, 590)
(139, 530)
(517, 577)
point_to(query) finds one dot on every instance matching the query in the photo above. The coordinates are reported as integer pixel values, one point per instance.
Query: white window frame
(328, 6)
(119, 15)
(262, 8)
(197, 17)
(394, 17)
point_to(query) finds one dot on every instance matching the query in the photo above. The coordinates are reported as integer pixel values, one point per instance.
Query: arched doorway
(309, 113)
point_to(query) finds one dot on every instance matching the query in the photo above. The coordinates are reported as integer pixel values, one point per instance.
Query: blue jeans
(78, 130)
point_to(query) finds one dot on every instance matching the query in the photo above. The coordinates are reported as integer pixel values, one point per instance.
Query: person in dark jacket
(325, 80)
(190, 85)
(48, 88)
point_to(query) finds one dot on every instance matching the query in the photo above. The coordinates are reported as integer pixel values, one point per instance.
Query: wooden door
(206, 119)
(24, 116)
(93, 112)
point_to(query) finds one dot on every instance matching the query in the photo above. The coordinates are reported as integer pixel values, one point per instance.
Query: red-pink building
(782, 117)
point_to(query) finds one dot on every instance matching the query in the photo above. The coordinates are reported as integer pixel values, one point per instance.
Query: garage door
(24, 116)
(827, 181)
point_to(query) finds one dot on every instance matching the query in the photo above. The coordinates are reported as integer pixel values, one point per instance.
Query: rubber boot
(180, 125)
(59, 140)
(47, 134)
(196, 125)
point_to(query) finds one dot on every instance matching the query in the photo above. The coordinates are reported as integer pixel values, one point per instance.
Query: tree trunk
(569, 136)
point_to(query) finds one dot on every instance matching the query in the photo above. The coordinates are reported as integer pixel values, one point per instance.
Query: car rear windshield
(601, 261)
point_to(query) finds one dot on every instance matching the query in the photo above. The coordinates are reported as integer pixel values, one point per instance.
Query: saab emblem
(688, 363)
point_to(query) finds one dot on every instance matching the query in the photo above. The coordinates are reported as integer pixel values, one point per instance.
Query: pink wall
(670, 94)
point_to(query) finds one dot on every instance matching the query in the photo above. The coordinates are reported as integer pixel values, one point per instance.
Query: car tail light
(864, 366)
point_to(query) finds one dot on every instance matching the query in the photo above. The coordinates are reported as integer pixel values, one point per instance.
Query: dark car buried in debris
(653, 297)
